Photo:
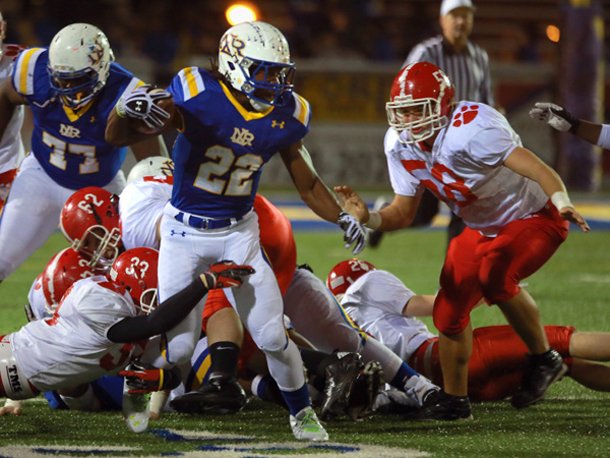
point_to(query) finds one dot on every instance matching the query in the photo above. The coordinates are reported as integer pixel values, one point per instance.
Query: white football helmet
(151, 166)
(255, 59)
(79, 63)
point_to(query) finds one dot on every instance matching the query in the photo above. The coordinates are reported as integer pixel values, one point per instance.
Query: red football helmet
(136, 271)
(345, 273)
(420, 101)
(65, 268)
(90, 220)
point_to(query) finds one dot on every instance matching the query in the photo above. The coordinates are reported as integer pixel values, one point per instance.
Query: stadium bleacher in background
(347, 52)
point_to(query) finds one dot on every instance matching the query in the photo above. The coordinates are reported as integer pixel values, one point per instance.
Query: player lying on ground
(384, 307)
(93, 330)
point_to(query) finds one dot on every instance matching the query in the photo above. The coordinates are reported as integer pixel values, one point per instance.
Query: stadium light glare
(241, 12)
(553, 33)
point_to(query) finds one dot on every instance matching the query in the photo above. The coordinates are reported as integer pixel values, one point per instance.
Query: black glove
(141, 104)
(354, 232)
(225, 274)
(555, 116)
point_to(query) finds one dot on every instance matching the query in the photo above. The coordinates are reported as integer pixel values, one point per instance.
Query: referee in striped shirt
(467, 66)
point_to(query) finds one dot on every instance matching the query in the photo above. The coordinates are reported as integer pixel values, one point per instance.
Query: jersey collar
(247, 115)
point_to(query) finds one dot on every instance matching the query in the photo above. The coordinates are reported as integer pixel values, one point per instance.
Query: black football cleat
(442, 406)
(539, 376)
(219, 396)
(339, 378)
(364, 391)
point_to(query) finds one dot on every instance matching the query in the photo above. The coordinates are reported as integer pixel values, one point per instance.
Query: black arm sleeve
(162, 319)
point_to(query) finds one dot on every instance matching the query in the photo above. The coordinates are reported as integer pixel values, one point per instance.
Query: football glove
(225, 274)
(555, 116)
(141, 378)
(141, 104)
(354, 232)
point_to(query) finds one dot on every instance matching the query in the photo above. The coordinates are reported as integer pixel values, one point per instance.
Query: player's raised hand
(570, 214)
(352, 203)
(555, 116)
(225, 274)
(143, 104)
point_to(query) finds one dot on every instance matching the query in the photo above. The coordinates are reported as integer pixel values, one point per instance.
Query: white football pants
(186, 252)
(316, 315)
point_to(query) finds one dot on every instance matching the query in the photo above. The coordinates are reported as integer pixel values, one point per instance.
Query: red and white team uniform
(512, 228)
(72, 348)
(141, 207)
(462, 170)
(39, 305)
(11, 146)
(375, 301)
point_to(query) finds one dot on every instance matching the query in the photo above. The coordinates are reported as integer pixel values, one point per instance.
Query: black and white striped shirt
(467, 70)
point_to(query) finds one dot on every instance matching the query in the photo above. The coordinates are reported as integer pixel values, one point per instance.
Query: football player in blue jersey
(232, 120)
(71, 88)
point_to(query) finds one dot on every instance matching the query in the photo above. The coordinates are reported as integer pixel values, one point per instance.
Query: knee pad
(448, 319)
(271, 337)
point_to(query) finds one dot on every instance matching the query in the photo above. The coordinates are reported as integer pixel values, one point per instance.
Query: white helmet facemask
(79, 63)
(255, 59)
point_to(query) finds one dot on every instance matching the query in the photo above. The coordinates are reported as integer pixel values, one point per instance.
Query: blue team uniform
(220, 154)
(70, 145)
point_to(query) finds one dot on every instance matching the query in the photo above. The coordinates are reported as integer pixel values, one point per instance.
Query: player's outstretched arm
(526, 163)
(398, 214)
(562, 120)
(169, 313)
(320, 198)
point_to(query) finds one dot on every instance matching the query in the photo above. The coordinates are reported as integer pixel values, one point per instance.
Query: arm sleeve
(162, 319)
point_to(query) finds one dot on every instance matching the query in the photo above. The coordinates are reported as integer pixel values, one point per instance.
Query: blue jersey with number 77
(69, 144)
(220, 153)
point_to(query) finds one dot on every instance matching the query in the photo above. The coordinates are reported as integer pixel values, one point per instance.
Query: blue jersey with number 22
(220, 153)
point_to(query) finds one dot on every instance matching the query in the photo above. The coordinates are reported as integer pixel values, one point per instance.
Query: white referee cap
(449, 5)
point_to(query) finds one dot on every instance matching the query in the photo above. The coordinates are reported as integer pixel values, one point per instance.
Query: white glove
(354, 232)
(141, 104)
(555, 116)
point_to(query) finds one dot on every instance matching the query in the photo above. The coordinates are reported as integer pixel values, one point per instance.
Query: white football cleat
(306, 426)
(136, 409)
(418, 388)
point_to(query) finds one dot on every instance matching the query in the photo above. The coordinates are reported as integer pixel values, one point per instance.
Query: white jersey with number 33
(465, 169)
(71, 347)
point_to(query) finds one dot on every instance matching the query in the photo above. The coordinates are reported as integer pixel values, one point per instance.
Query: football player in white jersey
(92, 330)
(515, 207)
(11, 146)
(562, 120)
(70, 88)
(232, 120)
(383, 306)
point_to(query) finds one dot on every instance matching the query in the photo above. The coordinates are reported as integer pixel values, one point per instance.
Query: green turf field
(573, 288)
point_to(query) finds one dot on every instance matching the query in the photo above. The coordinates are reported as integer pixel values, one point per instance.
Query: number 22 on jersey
(222, 160)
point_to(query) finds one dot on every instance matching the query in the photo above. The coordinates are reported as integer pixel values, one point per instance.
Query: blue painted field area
(597, 214)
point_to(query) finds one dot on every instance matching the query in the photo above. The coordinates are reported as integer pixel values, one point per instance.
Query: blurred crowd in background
(168, 32)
